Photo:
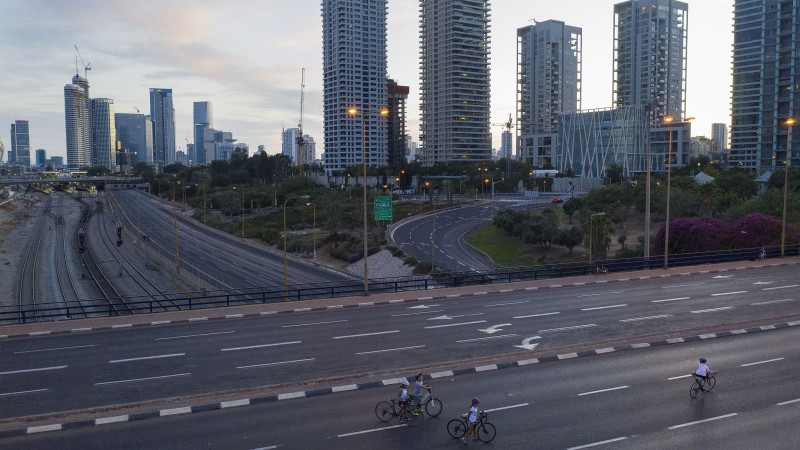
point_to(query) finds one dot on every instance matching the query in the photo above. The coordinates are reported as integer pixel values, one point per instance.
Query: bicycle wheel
(415, 417)
(694, 390)
(433, 407)
(712, 381)
(486, 432)
(384, 411)
(456, 428)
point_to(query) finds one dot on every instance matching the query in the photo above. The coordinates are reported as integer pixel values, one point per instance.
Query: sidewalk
(238, 312)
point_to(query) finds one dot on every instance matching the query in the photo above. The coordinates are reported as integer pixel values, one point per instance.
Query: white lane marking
(536, 315)
(446, 317)
(700, 311)
(175, 411)
(781, 287)
(604, 307)
(507, 304)
(595, 444)
(678, 377)
(486, 338)
(186, 336)
(603, 390)
(143, 358)
(675, 427)
(662, 316)
(728, 293)
(40, 369)
(601, 293)
(133, 380)
(575, 327)
(275, 363)
(250, 347)
(455, 324)
(53, 349)
(762, 362)
(789, 402)
(44, 428)
(313, 323)
(377, 333)
(355, 433)
(784, 300)
(521, 405)
(271, 447)
(682, 285)
(33, 391)
(671, 299)
(390, 350)
(418, 313)
(112, 419)
(234, 403)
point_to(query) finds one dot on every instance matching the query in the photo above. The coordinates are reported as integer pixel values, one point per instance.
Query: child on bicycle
(472, 421)
(402, 400)
(419, 385)
(702, 372)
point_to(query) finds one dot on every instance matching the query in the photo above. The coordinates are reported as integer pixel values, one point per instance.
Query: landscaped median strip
(395, 381)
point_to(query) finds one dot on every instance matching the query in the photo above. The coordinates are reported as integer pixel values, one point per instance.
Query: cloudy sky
(246, 56)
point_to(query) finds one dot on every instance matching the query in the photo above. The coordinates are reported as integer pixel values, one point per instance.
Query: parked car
(557, 200)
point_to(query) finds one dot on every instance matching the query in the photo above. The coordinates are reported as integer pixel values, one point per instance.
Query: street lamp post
(175, 224)
(789, 122)
(353, 112)
(314, 228)
(285, 262)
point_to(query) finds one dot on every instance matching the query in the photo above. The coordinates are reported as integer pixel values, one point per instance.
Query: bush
(422, 268)
(410, 261)
(353, 258)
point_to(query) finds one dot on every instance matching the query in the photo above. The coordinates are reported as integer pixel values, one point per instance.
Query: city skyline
(247, 58)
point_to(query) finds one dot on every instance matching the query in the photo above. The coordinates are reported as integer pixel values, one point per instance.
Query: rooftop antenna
(86, 67)
(301, 148)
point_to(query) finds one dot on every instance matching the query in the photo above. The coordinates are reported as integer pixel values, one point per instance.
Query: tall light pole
(353, 111)
(314, 229)
(285, 262)
(175, 218)
(647, 202)
(789, 123)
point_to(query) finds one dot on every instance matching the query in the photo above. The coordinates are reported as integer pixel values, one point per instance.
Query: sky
(247, 56)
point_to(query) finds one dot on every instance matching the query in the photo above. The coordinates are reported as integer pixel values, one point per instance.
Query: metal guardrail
(237, 297)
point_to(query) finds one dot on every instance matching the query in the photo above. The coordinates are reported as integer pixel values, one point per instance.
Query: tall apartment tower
(104, 134)
(650, 39)
(41, 157)
(766, 73)
(719, 137)
(203, 151)
(78, 123)
(162, 113)
(548, 84)
(20, 144)
(135, 136)
(397, 123)
(454, 83)
(354, 76)
(289, 143)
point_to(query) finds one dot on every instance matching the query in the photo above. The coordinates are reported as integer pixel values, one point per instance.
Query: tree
(596, 231)
(571, 206)
(738, 182)
(569, 237)
(615, 174)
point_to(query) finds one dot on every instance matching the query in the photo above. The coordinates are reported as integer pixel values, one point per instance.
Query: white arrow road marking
(763, 282)
(446, 317)
(494, 328)
(723, 276)
(422, 307)
(455, 324)
(526, 343)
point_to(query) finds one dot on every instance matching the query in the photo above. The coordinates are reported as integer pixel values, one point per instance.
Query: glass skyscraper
(203, 151)
(162, 113)
(77, 121)
(104, 134)
(20, 144)
(135, 136)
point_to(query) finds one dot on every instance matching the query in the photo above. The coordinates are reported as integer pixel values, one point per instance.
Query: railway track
(66, 282)
(26, 300)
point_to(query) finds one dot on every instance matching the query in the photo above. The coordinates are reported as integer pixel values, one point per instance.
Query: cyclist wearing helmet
(702, 372)
(419, 385)
(472, 419)
(402, 399)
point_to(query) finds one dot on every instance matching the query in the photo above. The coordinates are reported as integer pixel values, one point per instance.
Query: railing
(238, 297)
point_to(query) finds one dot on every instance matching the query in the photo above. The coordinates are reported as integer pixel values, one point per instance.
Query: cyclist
(472, 420)
(419, 385)
(702, 372)
(402, 399)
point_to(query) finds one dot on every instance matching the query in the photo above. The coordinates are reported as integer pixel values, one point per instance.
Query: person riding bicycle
(472, 420)
(702, 372)
(402, 400)
(419, 385)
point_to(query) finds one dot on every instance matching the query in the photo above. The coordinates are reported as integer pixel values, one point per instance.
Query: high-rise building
(650, 47)
(454, 83)
(77, 121)
(354, 76)
(104, 134)
(162, 113)
(764, 93)
(20, 144)
(289, 143)
(548, 84)
(506, 140)
(135, 136)
(203, 151)
(309, 149)
(719, 137)
(397, 123)
(41, 157)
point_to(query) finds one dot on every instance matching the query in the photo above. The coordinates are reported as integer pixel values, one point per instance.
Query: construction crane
(86, 67)
(508, 126)
(301, 143)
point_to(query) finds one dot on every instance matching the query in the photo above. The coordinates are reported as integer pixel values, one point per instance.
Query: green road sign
(383, 208)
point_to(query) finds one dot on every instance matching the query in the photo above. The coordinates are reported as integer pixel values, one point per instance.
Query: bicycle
(386, 411)
(600, 269)
(433, 406)
(485, 431)
(711, 381)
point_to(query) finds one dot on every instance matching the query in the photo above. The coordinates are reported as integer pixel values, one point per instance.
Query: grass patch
(506, 251)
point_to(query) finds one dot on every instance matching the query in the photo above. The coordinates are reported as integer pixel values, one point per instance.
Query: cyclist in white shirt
(402, 400)
(702, 372)
(472, 419)
(419, 385)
